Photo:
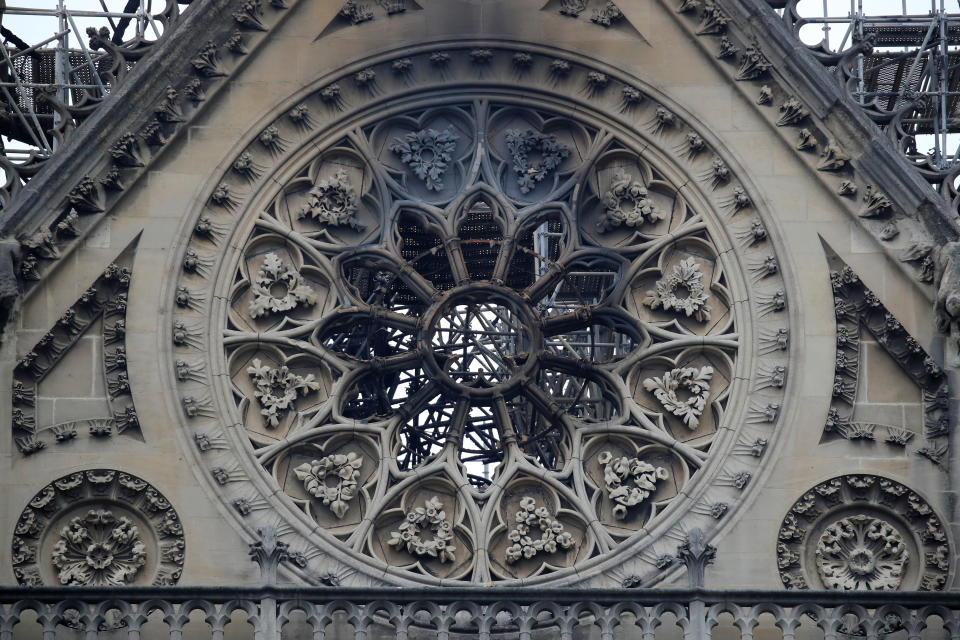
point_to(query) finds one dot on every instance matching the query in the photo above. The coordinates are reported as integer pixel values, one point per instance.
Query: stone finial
(269, 552)
(696, 554)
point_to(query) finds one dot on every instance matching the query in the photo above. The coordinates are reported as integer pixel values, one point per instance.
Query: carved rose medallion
(861, 552)
(99, 549)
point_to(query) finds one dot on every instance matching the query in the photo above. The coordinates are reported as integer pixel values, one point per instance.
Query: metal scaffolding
(74, 64)
(902, 67)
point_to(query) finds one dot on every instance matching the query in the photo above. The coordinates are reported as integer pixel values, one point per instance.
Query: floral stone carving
(333, 202)
(127, 533)
(278, 288)
(861, 552)
(345, 469)
(629, 481)
(627, 204)
(99, 549)
(434, 359)
(276, 389)
(427, 153)
(521, 144)
(682, 291)
(692, 380)
(552, 535)
(862, 531)
(437, 543)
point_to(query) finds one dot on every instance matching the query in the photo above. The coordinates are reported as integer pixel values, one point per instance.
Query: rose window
(479, 342)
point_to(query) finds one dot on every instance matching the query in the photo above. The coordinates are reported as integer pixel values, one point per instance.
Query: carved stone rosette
(506, 309)
(863, 532)
(101, 527)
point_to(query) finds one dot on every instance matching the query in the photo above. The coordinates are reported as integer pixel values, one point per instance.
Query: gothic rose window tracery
(477, 340)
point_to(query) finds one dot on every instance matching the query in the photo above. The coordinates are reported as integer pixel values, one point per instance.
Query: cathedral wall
(154, 222)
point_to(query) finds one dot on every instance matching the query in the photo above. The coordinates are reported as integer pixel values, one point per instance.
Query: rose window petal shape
(480, 340)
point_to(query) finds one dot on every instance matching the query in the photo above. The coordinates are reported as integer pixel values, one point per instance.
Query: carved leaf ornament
(517, 361)
(426, 532)
(629, 481)
(524, 144)
(279, 287)
(682, 291)
(343, 468)
(695, 382)
(530, 517)
(861, 552)
(277, 389)
(99, 549)
(333, 202)
(627, 204)
(427, 153)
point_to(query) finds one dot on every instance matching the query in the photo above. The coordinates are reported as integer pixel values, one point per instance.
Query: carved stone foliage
(629, 481)
(427, 152)
(604, 13)
(333, 202)
(277, 389)
(682, 291)
(524, 144)
(691, 382)
(861, 552)
(98, 528)
(426, 532)
(627, 204)
(863, 532)
(433, 401)
(105, 300)
(529, 519)
(345, 470)
(99, 549)
(279, 288)
(358, 12)
(858, 310)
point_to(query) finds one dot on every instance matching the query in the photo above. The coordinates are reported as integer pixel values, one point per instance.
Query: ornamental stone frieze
(395, 324)
(101, 527)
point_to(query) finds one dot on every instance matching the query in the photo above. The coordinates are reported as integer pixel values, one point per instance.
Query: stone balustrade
(332, 613)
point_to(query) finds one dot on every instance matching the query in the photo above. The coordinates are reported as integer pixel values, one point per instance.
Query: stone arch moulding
(398, 264)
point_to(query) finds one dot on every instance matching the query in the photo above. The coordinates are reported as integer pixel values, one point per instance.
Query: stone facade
(265, 320)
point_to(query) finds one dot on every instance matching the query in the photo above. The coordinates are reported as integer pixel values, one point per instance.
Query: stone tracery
(454, 336)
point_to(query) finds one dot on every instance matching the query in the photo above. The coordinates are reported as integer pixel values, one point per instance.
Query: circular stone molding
(98, 528)
(863, 532)
(468, 322)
